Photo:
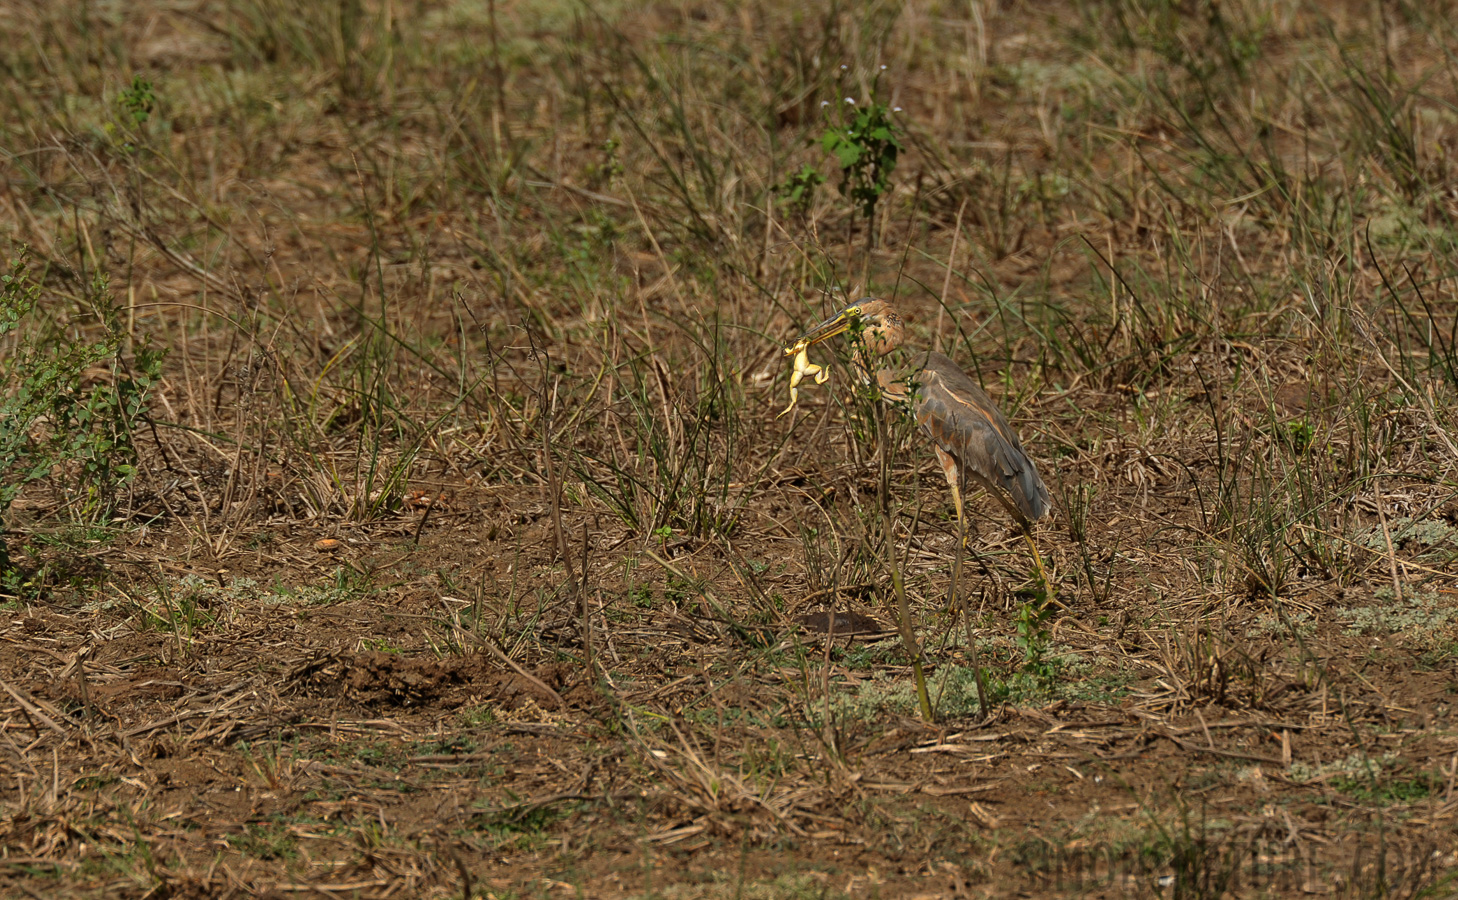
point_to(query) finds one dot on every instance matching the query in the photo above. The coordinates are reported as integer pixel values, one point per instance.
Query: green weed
(52, 416)
(866, 146)
(523, 827)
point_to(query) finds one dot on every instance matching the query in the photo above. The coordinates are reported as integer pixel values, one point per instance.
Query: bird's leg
(954, 481)
(1026, 528)
(961, 515)
(953, 473)
(1048, 597)
(961, 548)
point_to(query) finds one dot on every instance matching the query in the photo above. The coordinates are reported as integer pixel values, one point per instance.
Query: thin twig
(31, 709)
(516, 667)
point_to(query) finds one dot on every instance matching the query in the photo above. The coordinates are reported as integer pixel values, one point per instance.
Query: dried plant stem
(554, 491)
(1044, 582)
(908, 635)
(1387, 538)
(898, 585)
(957, 601)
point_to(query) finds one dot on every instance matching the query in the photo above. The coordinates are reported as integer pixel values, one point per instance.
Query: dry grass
(465, 556)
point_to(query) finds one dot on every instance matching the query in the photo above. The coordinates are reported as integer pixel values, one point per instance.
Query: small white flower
(883, 68)
(851, 101)
(843, 68)
(824, 102)
(896, 109)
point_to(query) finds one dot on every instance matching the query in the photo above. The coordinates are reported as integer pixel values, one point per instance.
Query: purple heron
(971, 437)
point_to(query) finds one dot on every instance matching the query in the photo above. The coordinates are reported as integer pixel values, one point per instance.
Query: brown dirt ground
(211, 704)
(271, 748)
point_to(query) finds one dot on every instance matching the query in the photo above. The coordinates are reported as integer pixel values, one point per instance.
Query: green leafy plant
(138, 100)
(51, 416)
(135, 105)
(607, 171)
(798, 188)
(866, 146)
(1033, 637)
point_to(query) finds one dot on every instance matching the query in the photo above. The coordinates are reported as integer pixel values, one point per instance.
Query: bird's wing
(962, 419)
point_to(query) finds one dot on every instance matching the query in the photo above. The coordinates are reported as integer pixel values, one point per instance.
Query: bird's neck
(887, 372)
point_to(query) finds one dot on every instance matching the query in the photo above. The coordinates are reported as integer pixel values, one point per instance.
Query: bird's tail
(1029, 492)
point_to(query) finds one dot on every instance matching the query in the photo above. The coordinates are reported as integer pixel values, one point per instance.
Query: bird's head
(875, 321)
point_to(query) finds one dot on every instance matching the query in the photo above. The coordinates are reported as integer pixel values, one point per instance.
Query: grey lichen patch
(248, 591)
(1295, 624)
(1421, 536)
(1422, 617)
(1353, 766)
(784, 887)
(954, 686)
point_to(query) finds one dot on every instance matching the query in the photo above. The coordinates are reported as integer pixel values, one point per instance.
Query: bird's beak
(832, 326)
